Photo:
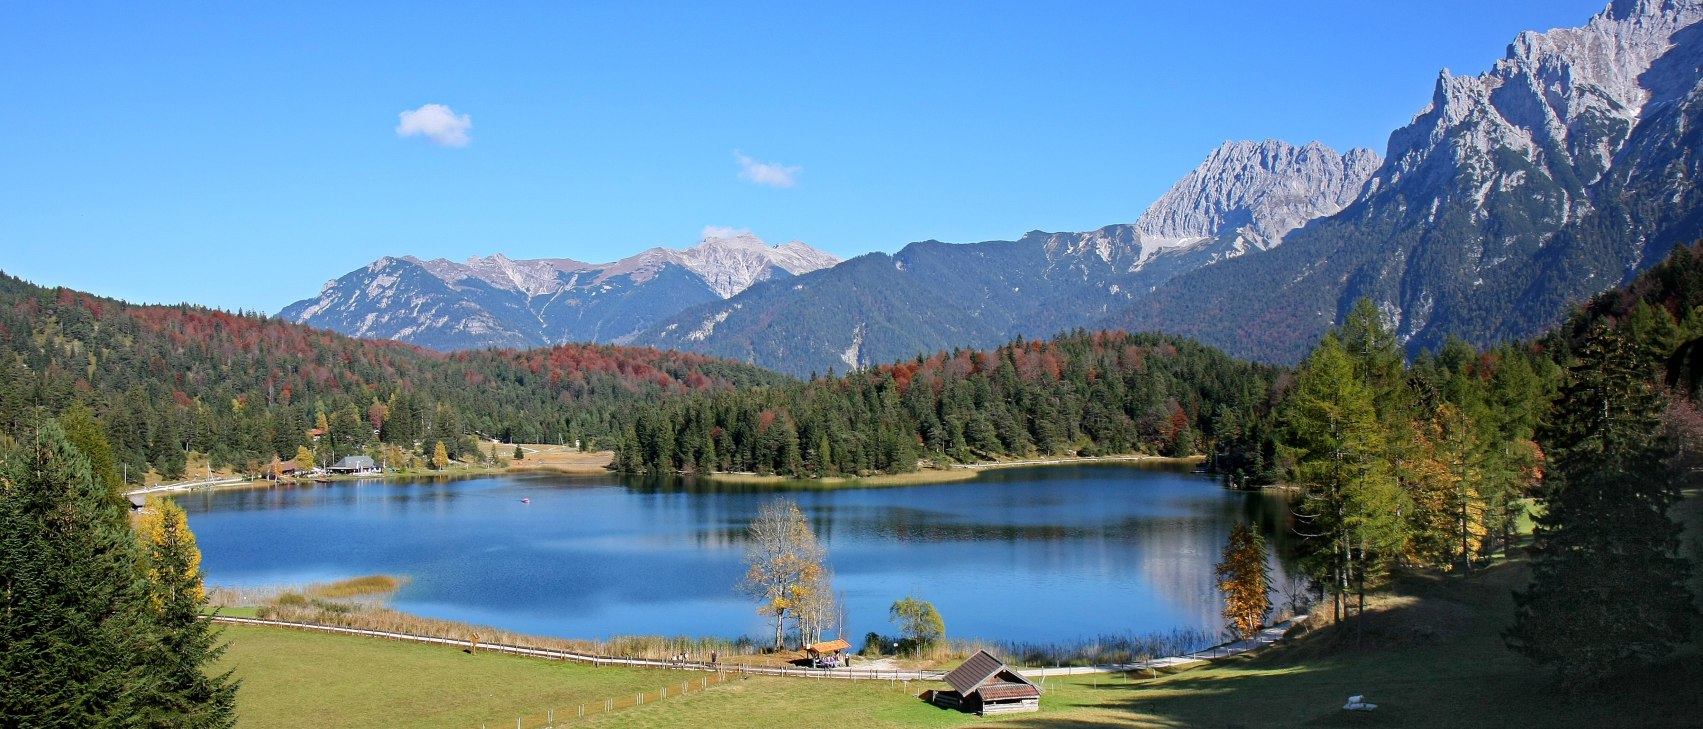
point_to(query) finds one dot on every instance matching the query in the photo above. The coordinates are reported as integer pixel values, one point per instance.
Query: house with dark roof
(985, 685)
(354, 464)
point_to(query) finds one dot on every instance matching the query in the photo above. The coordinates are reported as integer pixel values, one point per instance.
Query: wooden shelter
(985, 685)
(827, 647)
(826, 653)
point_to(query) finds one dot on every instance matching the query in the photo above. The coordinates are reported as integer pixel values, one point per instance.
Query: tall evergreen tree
(1608, 586)
(74, 632)
(86, 435)
(1351, 505)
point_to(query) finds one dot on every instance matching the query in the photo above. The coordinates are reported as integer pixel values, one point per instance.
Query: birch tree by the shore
(784, 563)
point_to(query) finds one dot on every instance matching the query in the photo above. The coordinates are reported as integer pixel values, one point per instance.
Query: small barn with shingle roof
(985, 685)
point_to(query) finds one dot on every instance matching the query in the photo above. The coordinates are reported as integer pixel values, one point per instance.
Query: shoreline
(1078, 460)
(234, 483)
(952, 473)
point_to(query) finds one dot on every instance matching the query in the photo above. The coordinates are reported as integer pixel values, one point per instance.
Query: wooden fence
(597, 660)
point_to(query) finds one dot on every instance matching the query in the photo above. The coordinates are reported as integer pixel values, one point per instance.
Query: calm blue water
(1040, 554)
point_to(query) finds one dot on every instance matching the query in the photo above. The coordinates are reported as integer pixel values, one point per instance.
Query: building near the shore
(985, 685)
(354, 464)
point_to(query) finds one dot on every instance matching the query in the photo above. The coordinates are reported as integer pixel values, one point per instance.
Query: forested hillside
(1431, 463)
(1082, 393)
(244, 388)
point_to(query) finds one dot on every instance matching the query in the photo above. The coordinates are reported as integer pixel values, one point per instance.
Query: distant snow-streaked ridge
(499, 301)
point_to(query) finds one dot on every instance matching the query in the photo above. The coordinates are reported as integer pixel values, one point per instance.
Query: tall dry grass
(357, 586)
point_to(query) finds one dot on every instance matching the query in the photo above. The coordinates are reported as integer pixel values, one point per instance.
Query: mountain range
(499, 302)
(1561, 172)
(1567, 168)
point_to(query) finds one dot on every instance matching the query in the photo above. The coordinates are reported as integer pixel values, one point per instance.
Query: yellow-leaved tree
(304, 459)
(172, 562)
(784, 563)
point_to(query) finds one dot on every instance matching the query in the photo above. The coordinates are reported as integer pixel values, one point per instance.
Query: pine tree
(440, 456)
(1351, 505)
(86, 435)
(186, 695)
(74, 632)
(1244, 578)
(1608, 586)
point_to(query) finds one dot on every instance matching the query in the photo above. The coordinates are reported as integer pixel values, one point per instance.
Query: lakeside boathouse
(985, 685)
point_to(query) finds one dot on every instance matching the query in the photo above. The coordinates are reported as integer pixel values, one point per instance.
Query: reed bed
(1097, 651)
(357, 586)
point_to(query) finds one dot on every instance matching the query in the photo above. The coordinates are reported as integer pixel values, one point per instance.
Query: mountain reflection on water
(1037, 554)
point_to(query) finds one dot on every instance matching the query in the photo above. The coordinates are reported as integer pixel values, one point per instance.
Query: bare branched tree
(784, 563)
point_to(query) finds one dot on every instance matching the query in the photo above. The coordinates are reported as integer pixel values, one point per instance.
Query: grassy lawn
(302, 680)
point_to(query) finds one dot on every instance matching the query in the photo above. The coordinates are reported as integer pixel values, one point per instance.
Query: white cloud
(722, 231)
(773, 174)
(438, 123)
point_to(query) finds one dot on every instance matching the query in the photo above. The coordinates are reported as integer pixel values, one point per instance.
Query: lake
(1052, 553)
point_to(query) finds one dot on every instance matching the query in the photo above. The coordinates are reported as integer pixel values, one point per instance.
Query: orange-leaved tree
(1245, 580)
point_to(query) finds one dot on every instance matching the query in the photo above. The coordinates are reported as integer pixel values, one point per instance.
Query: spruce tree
(86, 435)
(74, 634)
(1608, 586)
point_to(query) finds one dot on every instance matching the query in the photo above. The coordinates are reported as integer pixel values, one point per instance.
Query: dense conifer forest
(244, 388)
(1077, 394)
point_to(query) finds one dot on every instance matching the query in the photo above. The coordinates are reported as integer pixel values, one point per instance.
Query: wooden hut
(985, 685)
(827, 652)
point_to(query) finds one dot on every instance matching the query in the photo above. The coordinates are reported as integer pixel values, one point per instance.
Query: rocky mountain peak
(1261, 190)
(1560, 98)
(732, 264)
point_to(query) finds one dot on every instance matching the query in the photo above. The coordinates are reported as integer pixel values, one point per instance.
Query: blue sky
(239, 155)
